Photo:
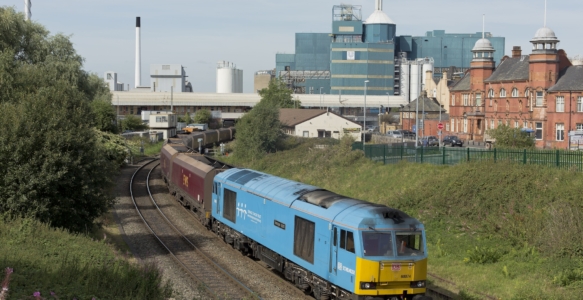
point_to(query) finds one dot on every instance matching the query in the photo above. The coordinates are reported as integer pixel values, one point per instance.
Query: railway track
(217, 282)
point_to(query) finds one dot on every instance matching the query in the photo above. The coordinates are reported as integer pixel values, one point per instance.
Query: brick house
(520, 92)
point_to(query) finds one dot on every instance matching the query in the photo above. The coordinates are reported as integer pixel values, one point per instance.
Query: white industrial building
(229, 78)
(111, 80)
(163, 121)
(317, 123)
(413, 79)
(167, 77)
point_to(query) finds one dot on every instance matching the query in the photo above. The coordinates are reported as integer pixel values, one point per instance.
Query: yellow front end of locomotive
(377, 278)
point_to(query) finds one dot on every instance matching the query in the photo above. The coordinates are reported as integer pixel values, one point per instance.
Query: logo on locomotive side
(345, 269)
(396, 267)
(185, 180)
(242, 210)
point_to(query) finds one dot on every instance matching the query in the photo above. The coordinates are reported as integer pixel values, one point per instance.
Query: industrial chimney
(27, 11)
(138, 55)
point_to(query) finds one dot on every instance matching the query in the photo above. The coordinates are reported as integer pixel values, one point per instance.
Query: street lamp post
(320, 97)
(364, 122)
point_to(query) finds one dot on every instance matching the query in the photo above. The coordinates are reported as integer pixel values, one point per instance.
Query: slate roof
(570, 79)
(462, 85)
(431, 105)
(292, 116)
(512, 68)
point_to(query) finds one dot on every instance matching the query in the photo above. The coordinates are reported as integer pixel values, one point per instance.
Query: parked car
(394, 134)
(452, 140)
(371, 128)
(430, 141)
(407, 134)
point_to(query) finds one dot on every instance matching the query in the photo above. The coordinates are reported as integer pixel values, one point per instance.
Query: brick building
(539, 91)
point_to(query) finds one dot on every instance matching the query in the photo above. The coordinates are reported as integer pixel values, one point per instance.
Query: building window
(452, 125)
(491, 93)
(502, 93)
(466, 99)
(514, 92)
(526, 93)
(579, 104)
(499, 123)
(453, 100)
(109, 76)
(539, 130)
(465, 125)
(539, 98)
(306, 134)
(447, 127)
(515, 124)
(560, 104)
(478, 99)
(560, 128)
(492, 124)
(486, 125)
(525, 124)
(579, 126)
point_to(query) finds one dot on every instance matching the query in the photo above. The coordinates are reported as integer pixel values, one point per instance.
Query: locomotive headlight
(418, 284)
(368, 285)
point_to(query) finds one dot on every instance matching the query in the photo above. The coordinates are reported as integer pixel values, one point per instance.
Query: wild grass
(51, 263)
(503, 229)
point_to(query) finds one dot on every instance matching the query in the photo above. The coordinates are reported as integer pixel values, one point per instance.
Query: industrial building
(261, 79)
(229, 78)
(357, 50)
(111, 80)
(169, 78)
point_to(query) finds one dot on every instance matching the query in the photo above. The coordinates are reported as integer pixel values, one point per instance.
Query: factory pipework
(138, 55)
(27, 11)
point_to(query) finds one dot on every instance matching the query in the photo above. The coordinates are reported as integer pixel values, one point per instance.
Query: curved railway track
(217, 282)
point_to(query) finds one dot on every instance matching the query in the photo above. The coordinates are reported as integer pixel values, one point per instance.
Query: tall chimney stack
(138, 54)
(27, 11)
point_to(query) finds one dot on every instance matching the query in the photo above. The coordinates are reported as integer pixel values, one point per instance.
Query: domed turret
(379, 28)
(483, 48)
(544, 40)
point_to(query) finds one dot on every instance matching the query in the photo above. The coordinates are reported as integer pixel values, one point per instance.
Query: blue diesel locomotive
(326, 244)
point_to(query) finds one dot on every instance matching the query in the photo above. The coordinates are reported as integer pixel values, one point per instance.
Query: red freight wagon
(192, 180)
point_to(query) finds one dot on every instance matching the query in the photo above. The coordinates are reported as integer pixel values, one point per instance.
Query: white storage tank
(229, 78)
(405, 80)
(427, 66)
(415, 80)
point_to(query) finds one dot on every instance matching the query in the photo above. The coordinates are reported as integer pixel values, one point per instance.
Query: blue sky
(198, 34)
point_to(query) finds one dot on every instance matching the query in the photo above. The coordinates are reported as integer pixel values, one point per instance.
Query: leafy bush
(483, 255)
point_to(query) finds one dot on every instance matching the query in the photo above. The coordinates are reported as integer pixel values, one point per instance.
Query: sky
(198, 34)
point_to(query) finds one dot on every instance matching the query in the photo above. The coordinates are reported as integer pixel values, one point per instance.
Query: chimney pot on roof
(516, 51)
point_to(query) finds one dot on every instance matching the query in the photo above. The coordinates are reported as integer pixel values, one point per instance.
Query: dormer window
(491, 93)
(514, 92)
(502, 93)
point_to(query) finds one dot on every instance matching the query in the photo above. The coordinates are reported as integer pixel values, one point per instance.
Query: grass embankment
(71, 266)
(507, 230)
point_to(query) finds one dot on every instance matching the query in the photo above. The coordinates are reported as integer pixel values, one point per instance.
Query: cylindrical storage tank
(224, 79)
(405, 80)
(427, 66)
(415, 80)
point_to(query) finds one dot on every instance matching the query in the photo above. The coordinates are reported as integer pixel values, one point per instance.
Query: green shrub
(483, 255)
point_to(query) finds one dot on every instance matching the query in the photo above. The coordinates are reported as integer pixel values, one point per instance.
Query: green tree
(104, 115)
(202, 116)
(278, 94)
(133, 123)
(187, 119)
(507, 137)
(53, 165)
(259, 131)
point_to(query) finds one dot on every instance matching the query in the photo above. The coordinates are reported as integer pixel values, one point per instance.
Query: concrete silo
(229, 78)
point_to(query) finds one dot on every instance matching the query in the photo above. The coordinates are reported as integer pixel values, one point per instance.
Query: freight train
(328, 245)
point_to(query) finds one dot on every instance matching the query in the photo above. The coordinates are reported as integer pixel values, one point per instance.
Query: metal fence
(392, 154)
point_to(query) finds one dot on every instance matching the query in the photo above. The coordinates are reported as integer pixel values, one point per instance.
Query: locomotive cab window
(378, 244)
(304, 239)
(230, 205)
(347, 240)
(409, 243)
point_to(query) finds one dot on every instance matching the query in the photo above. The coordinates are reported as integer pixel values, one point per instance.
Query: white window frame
(452, 99)
(524, 124)
(579, 126)
(465, 125)
(579, 104)
(539, 98)
(491, 93)
(466, 99)
(306, 133)
(539, 126)
(492, 124)
(515, 124)
(514, 92)
(560, 132)
(452, 124)
(478, 99)
(486, 125)
(560, 104)
(502, 93)
(446, 126)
